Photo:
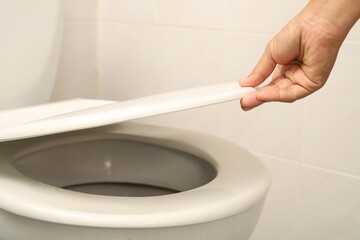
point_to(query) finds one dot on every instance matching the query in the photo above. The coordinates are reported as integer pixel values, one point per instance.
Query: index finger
(262, 70)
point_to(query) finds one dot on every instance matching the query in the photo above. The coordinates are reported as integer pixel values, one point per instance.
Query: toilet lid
(80, 114)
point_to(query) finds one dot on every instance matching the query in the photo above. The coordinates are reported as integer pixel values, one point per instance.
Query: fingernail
(242, 101)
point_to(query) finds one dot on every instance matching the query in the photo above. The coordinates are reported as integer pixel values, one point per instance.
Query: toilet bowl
(124, 181)
(129, 181)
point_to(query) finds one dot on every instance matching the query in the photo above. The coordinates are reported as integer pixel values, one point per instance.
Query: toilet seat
(79, 114)
(231, 192)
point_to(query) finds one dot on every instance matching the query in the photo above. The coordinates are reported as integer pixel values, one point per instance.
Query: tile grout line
(97, 50)
(183, 27)
(333, 171)
(81, 21)
(223, 29)
(308, 165)
(222, 69)
(156, 73)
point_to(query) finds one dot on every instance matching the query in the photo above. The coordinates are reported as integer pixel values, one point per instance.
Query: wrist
(337, 16)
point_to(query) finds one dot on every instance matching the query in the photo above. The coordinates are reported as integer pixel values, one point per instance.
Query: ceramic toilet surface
(240, 182)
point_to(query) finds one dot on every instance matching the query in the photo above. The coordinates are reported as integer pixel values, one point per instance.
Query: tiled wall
(77, 76)
(312, 147)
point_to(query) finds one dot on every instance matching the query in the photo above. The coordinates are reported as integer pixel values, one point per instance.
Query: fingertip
(262, 70)
(250, 101)
(246, 108)
(250, 81)
(243, 106)
(244, 82)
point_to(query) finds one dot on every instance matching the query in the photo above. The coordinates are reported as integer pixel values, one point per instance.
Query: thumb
(262, 70)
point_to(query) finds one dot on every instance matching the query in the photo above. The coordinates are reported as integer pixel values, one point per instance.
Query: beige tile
(261, 15)
(278, 215)
(241, 53)
(127, 10)
(139, 60)
(127, 61)
(81, 9)
(188, 58)
(77, 67)
(354, 33)
(328, 207)
(273, 128)
(193, 13)
(332, 130)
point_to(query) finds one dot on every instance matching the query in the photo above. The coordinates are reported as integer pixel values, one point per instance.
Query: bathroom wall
(77, 76)
(121, 49)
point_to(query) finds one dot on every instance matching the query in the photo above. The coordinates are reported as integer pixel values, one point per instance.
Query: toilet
(123, 181)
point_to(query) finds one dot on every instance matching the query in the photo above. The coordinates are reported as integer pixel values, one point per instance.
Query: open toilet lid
(80, 114)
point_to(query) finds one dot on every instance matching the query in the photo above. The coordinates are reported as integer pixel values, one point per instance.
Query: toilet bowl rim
(220, 198)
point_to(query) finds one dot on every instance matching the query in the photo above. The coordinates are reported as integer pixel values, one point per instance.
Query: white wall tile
(77, 68)
(328, 207)
(354, 33)
(127, 60)
(194, 13)
(261, 15)
(137, 60)
(273, 128)
(188, 58)
(81, 9)
(241, 53)
(127, 10)
(278, 215)
(332, 130)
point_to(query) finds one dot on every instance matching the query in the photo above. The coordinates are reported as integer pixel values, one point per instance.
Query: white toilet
(124, 181)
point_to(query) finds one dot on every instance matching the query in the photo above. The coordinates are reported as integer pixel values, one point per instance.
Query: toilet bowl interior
(116, 167)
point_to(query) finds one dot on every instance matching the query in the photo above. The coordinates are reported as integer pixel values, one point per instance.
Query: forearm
(339, 16)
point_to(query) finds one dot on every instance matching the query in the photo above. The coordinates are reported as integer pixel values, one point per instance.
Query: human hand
(301, 57)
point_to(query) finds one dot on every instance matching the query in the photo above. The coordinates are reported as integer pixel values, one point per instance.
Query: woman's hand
(302, 55)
